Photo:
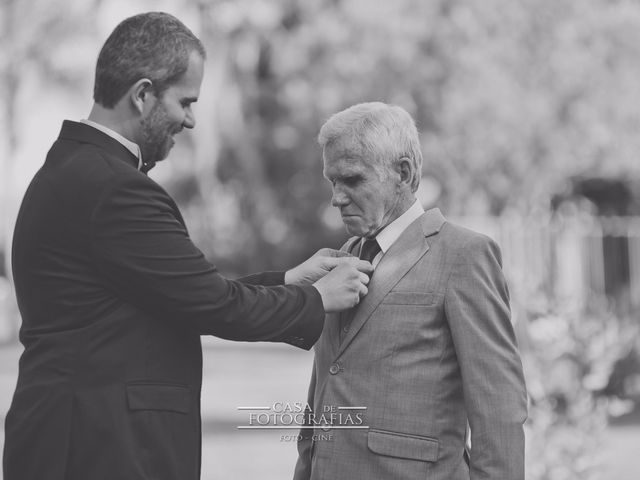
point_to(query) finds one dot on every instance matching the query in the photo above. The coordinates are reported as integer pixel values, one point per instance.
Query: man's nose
(339, 198)
(189, 120)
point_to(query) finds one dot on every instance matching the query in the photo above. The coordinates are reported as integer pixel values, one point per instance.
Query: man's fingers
(329, 263)
(363, 266)
(330, 252)
(364, 278)
(332, 262)
(363, 290)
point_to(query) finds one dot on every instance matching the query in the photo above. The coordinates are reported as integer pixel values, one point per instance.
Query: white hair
(383, 132)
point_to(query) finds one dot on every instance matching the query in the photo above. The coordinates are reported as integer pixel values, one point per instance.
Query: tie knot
(370, 248)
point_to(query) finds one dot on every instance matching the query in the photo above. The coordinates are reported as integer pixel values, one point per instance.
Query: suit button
(345, 329)
(334, 369)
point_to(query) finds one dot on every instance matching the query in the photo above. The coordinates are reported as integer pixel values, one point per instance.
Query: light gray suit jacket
(430, 348)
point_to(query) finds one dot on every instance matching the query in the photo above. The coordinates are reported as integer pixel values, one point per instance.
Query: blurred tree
(569, 358)
(511, 98)
(38, 39)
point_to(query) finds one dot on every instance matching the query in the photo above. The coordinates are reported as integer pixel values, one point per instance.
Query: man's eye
(351, 181)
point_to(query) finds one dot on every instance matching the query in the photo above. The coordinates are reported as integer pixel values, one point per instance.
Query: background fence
(581, 259)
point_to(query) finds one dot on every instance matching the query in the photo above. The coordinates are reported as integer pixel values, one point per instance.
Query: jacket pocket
(158, 396)
(402, 445)
(410, 298)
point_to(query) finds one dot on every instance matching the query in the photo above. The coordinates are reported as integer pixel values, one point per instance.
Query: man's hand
(316, 267)
(343, 287)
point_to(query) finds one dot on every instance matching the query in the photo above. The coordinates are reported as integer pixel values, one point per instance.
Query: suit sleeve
(268, 279)
(477, 309)
(305, 438)
(146, 257)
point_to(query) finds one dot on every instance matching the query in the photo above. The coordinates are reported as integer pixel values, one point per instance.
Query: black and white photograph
(319, 239)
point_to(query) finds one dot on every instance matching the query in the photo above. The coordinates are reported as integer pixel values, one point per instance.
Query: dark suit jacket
(430, 348)
(114, 297)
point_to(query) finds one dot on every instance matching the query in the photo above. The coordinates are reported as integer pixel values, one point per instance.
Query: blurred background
(529, 114)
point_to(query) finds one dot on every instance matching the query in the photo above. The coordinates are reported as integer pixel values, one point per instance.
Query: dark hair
(153, 45)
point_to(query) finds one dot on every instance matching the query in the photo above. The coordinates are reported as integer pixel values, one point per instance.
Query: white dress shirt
(392, 232)
(128, 144)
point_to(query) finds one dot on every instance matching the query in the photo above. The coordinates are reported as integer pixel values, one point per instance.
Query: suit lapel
(396, 262)
(334, 321)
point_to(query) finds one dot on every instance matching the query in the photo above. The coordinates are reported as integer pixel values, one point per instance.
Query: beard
(157, 134)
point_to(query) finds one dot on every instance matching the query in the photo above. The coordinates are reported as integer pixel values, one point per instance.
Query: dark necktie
(369, 249)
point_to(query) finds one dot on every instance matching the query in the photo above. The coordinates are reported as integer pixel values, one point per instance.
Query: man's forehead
(344, 147)
(344, 165)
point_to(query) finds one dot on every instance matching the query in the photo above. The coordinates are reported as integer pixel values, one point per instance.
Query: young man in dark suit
(114, 295)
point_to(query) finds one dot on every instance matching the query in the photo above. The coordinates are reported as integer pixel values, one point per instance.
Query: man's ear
(141, 95)
(404, 168)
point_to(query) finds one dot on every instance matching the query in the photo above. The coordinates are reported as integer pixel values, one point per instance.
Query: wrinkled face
(368, 200)
(171, 113)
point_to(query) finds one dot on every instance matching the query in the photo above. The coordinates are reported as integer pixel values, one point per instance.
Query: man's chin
(168, 145)
(160, 156)
(353, 227)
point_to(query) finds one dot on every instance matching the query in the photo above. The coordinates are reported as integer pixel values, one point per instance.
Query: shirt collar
(128, 144)
(392, 232)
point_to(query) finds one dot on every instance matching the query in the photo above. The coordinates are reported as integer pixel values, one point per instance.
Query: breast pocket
(410, 298)
(404, 310)
(410, 322)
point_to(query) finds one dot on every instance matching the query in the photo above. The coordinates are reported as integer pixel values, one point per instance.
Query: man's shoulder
(81, 173)
(456, 236)
(89, 160)
(456, 230)
(83, 150)
(464, 246)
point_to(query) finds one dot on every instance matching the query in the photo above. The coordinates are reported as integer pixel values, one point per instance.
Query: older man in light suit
(430, 353)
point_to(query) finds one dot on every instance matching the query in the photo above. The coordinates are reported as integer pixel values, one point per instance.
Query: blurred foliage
(511, 99)
(569, 358)
(25, 56)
